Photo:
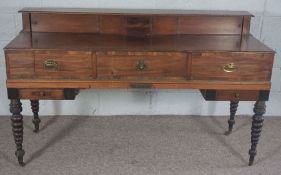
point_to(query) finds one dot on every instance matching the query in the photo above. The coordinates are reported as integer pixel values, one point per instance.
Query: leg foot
(35, 109)
(20, 154)
(257, 124)
(17, 125)
(231, 121)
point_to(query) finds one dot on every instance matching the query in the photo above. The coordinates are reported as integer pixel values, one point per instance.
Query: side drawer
(234, 66)
(144, 65)
(20, 64)
(235, 95)
(35, 94)
(64, 64)
(45, 94)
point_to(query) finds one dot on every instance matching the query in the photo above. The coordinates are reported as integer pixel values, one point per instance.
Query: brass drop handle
(141, 65)
(50, 64)
(230, 67)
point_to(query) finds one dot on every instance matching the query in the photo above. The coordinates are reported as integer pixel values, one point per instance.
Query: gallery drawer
(142, 65)
(233, 66)
(64, 64)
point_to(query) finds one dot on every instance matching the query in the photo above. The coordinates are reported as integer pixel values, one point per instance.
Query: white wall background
(266, 26)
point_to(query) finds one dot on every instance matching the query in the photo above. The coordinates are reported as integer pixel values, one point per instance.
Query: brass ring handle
(141, 65)
(50, 64)
(230, 67)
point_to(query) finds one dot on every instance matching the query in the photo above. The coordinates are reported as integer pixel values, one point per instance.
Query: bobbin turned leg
(17, 125)
(35, 109)
(257, 124)
(231, 121)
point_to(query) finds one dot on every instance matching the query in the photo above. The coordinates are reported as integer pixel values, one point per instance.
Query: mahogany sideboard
(61, 51)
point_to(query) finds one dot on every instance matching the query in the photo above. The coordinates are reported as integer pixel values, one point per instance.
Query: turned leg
(35, 109)
(17, 125)
(257, 123)
(231, 121)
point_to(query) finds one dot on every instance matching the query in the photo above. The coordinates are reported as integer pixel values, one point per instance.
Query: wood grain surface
(70, 64)
(44, 94)
(250, 66)
(176, 84)
(20, 64)
(156, 66)
(164, 43)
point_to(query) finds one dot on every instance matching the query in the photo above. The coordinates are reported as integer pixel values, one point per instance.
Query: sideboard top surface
(136, 11)
(102, 42)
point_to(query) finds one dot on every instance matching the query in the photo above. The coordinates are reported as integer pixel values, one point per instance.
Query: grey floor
(140, 145)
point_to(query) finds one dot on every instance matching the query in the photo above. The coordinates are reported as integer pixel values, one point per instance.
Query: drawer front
(235, 95)
(142, 65)
(36, 94)
(232, 66)
(210, 25)
(70, 64)
(20, 64)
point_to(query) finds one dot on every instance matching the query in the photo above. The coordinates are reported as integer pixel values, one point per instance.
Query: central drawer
(142, 65)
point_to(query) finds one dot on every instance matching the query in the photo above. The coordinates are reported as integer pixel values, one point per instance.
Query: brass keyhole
(141, 65)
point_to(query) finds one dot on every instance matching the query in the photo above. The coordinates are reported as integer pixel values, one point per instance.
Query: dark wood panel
(245, 66)
(138, 25)
(209, 94)
(142, 66)
(137, 11)
(94, 65)
(246, 25)
(176, 84)
(70, 64)
(230, 95)
(176, 43)
(164, 25)
(112, 24)
(235, 95)
(210, 25)
(43, 93)
(26, 24)
(37, 94)
(44, 22)
(20, 64)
